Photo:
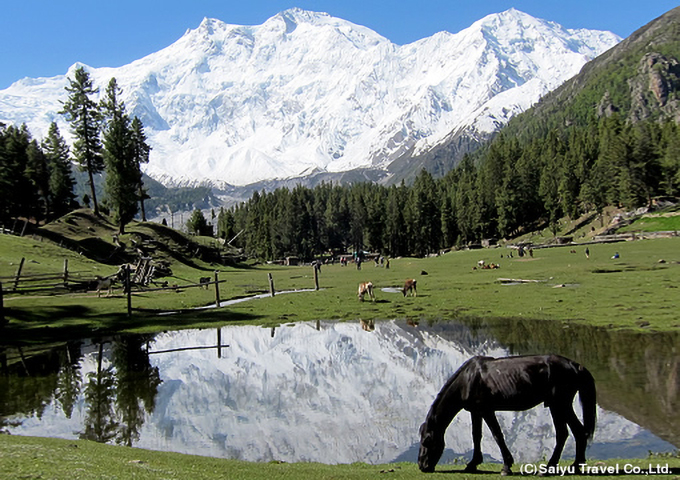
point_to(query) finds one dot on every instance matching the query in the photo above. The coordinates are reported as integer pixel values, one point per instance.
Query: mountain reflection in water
(326, 392)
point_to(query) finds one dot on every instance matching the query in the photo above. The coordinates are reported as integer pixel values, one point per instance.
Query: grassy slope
(630, 292)
(26, 457)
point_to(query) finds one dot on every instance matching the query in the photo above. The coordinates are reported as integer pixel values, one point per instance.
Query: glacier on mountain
(306, 92)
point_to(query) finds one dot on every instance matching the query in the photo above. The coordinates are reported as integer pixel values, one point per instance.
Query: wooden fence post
(65, 271)
(271, 284)
(18, 275)
(316, 276)
(217, 289)
(128, 288)
(2, 308)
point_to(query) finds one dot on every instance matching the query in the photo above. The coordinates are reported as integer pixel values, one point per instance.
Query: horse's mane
(459, 382)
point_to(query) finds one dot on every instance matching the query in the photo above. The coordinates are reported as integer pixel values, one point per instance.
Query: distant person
(587, 253)
(616, 255)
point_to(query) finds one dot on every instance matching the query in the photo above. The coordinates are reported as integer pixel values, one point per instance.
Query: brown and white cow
(105, 283)
(365, 288)
(410, 286)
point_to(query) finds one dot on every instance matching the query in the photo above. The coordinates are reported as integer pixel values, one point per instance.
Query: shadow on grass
(42, 325)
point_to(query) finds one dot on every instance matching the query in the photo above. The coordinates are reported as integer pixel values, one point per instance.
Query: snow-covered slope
(306, 92)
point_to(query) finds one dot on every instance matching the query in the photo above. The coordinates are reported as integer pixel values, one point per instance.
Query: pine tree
(61, 182)
(17, 193)
(424, 214)
(395, 231)
(225, 225)
(83, 114)
(122, 172)
(37, 173)
(670, 161)
(197, 224)
(140, 155)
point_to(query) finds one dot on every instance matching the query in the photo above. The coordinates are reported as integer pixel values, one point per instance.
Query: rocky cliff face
(654, 87)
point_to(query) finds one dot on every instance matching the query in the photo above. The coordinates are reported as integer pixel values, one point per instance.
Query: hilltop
(638, 80)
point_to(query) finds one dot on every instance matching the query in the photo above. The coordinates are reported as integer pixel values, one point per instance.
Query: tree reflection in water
(210, 407)
(118, 393)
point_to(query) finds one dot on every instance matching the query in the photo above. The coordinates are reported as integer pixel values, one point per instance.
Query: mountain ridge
(307, 93)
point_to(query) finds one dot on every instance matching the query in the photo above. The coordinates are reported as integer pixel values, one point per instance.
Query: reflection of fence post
(18, 275)
(271, 284)
(316, 276)
(128, 287)
(219, 343)
(65, 271)
(217, 289)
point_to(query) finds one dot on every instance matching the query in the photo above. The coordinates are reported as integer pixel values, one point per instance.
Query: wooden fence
(68, 282)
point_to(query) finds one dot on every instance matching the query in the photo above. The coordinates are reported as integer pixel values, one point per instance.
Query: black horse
(484, 385)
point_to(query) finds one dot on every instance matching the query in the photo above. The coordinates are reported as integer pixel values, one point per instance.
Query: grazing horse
(365, 288)
(410, 286)
(484, 385)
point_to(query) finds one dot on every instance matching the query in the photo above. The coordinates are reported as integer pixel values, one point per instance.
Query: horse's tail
(588, 399)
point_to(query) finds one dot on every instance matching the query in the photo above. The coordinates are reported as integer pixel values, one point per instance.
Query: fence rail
(70, 284)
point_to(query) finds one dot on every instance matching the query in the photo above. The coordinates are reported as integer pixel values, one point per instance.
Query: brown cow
(410, 286)
(365, 288)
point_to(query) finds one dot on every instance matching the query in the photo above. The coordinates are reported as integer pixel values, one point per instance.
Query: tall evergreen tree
(38, 174)
(140, 155)
(395, 232)
(670, 161)
(61, 180)
(197, 224)
(122, 172)
(425, 218)
(17, 194)
(84, 116)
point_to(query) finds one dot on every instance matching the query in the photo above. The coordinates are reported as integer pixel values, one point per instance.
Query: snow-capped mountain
(306, 92)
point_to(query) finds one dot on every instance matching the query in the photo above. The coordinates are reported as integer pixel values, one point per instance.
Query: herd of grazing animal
(366, 288)
(107, 283)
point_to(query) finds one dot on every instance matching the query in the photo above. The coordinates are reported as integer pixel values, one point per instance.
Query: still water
(329, 392)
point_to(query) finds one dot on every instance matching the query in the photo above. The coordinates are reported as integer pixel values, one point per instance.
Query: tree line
(507, 188)
(36, 180)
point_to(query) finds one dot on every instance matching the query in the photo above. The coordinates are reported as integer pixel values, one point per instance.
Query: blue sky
(43, 38)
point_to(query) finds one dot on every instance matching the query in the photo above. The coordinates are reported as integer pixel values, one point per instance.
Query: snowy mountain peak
(307, 92)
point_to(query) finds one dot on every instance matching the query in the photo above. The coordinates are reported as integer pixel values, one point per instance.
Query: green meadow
(637, 290)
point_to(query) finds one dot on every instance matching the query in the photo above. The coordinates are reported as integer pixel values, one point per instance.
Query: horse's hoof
(506, 472)
(470, 469)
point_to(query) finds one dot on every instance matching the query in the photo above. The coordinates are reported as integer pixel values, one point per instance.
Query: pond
(330, 392)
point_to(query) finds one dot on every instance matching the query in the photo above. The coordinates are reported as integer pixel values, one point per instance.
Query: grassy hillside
(636, 290)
